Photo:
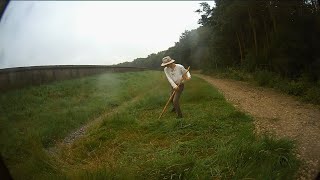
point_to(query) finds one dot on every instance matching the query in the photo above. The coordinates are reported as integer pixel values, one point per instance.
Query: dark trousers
(176, 98)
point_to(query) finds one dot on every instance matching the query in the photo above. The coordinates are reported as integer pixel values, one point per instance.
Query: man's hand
(185, 77)
(176, 88)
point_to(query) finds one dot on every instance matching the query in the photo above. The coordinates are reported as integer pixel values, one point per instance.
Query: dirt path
(279, 114)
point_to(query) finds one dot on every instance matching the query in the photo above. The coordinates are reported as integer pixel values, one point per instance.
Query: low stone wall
(15, 78)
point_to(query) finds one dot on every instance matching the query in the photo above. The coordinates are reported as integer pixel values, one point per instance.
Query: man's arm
(170, 80)
(185, 76)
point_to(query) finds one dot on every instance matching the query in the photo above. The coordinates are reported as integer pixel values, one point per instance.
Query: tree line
(280, 36)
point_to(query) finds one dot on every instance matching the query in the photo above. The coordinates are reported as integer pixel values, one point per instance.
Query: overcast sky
(34, 33)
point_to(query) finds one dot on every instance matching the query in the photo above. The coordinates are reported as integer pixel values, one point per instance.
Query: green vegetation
(303, 88)
(36, 117)
(276, 40)
(213, 140)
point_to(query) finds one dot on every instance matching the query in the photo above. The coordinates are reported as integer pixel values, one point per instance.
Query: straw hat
(167, 60)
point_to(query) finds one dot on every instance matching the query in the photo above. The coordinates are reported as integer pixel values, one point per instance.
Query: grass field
(213, 140)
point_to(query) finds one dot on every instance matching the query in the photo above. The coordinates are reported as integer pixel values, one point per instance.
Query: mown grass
(213, 140)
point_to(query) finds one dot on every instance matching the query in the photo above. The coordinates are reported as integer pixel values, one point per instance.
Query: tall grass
(37, 117)
(213, 140)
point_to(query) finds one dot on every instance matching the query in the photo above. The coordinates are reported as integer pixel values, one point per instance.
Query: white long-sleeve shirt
(174, 75)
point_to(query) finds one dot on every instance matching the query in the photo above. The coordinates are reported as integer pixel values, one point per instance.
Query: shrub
(264, 78)
(296, 88)
(313, 95)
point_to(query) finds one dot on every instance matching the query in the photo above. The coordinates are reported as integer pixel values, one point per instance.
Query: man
(175, 73)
